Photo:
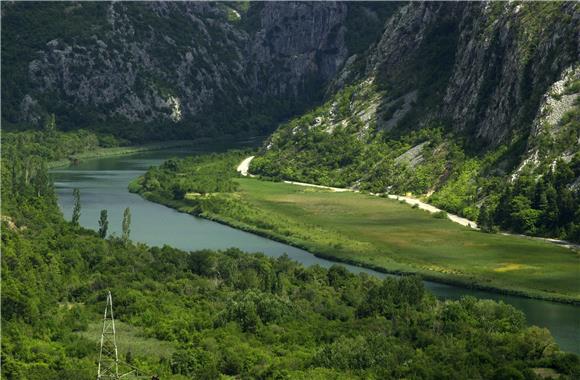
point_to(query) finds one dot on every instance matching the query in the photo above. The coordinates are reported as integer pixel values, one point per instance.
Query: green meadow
(375, 232)
(131, 339)
(392, 236)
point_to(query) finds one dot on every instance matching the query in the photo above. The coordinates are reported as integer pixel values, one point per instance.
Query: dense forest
(231, 313)
(53, 145)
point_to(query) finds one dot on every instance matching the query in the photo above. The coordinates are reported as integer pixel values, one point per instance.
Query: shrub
(440, 215)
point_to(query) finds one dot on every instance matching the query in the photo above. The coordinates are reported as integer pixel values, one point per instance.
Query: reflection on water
(103, 185)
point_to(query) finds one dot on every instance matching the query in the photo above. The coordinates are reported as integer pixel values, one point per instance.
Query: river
(103, 185)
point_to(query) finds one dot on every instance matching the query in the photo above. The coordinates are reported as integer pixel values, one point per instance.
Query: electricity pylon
(108, 356)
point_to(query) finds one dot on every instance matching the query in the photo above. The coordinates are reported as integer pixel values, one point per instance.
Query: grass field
(390, 236)
(387, 234)
(131, 339)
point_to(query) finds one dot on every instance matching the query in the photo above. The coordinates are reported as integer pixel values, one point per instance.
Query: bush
(440, 215)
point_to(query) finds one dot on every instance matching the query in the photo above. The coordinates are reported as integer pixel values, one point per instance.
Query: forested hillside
(464, 104)
(210, 314)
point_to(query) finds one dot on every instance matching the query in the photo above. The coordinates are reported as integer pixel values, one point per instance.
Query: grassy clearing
(382, 234)
(394, 236)
(130, 338)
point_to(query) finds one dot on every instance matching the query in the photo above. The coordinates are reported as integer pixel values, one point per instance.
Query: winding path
(244, 166)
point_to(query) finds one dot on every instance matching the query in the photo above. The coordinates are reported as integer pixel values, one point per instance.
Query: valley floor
(244, 169)
(388, 235)
(119, 151)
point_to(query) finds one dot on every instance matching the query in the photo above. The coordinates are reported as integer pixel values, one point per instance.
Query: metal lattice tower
(108, 356)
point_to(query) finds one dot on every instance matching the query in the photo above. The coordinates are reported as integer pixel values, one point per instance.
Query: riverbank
(103, 184)
(120, 151)
(376, 233)
(133, 149)
(244, 169)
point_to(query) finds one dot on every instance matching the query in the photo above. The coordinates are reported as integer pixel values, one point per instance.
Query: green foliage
(331, 146)
(126, 225)
(50, 123)
(440, 215)
(51, 145)
(77, 207)
(334, 151)
(549, 206)
(376, 232)
(196, 178)
(485, 218)
(103, 224)
(231, 313)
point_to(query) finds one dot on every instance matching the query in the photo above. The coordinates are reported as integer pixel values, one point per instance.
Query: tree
(179, 190)
(41, 180)
(550, 211)
(129, 357)
(77, 207)
(523, 217)
(103, 224)
(485, 218)
(126, 224)
(50, 123)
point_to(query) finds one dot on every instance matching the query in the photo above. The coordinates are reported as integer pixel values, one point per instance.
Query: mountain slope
(453, 102)
(193, 68)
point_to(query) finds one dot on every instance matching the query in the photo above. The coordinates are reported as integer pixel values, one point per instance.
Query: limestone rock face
(481, 67)
(498, 80)
(146, 62)
(450, 93)
(484, 67)
(297, 42)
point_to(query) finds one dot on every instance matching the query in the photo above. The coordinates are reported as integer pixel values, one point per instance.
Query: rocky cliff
(483, 67)
(454, 102)
(165, 62)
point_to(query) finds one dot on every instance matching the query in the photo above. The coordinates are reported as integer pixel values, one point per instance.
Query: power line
(108, 368)
(108, 355)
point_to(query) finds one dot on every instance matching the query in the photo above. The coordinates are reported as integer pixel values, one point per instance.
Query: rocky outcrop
(506, 61)
(554, 136)
(482, 67)
(182, 61)
(449, 96)
(137, 70)
(297, 43)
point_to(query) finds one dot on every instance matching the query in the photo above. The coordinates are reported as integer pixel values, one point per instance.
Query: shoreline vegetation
(118, 151)
(59, 149)
(244, 169)
(240, 207)
(101, 152)
(229, 314)
(214, 314)
(434, 277)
